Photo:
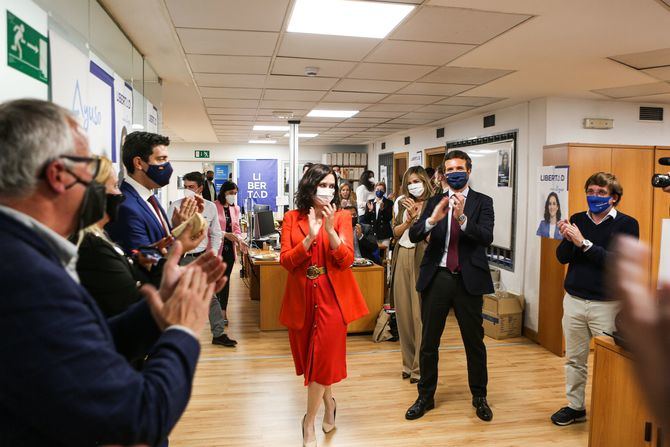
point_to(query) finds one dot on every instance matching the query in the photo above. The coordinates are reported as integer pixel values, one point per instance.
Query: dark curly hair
(195, 176)
(140, 144)
(547, 216)
(227, 186)
(304, 197)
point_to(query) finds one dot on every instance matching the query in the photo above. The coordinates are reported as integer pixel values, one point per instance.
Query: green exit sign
(201, 154)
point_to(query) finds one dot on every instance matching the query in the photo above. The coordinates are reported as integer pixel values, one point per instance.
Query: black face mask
(211, 179)
(112, 207)
(93, 205)
(354, 221)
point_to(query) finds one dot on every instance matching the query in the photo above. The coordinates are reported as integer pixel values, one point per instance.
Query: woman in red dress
(321, 295)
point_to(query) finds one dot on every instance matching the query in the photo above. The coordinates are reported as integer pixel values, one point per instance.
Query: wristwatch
(461, 219)
(586, 244)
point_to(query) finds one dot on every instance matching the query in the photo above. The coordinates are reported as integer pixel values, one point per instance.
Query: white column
(293, 157)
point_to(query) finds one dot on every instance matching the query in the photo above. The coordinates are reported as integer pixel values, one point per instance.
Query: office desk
(267, 280)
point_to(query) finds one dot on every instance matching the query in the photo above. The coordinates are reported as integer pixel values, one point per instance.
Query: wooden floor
(250, 395)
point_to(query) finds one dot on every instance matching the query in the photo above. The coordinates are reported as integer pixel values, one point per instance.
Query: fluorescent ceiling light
(262, 141)
(347, 17)
(332, 113)
(271, 128)
(304, 135)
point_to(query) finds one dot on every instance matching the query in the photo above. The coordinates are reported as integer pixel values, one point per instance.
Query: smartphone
(151, 253)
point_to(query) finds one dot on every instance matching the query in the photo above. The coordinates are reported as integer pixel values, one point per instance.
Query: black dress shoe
(413, 380)
(419, 408)
(223, 340)
(405, 375)
(482, 408)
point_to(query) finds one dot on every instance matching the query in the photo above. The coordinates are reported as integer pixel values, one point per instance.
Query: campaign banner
(70, 71)
(99, 123)
(123, 115)
(221, 172)
(552, 193)
(257, 180)
(152, 117)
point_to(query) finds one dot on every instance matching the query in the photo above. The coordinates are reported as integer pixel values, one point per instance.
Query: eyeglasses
(92, 163)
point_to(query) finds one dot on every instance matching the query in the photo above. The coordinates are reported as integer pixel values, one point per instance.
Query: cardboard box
(503, 315)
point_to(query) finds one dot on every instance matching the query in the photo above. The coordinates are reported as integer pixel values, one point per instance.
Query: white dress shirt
(404, 238)
(214, 232)
(443, 262)
(145, 193)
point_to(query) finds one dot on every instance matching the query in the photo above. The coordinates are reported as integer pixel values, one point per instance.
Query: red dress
(319, 347)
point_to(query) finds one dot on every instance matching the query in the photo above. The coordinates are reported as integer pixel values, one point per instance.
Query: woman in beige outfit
(407, 256)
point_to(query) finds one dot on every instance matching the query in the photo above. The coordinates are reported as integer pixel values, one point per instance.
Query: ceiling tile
(240, 103)
(278, 105)
(229, 80)
(238, 120)
(228, 64)
(425, 88)
(292, 66)
(294, 95)
(631, 91)
(391, 108)
(364, 85)
(341, 106)
(476, 101)
(353, 97)
(388, 114)
(232, 93)
(662, 73)
(390, 72)
(411, 99)
(419, 53)
(393, 126)
(232, 43)
(259, 15)
(364, 120)
(351, 124)
(423, 115)
(646, 59)
(321, 120)
(213, 111)
(318, 46)
(444, 109)
(411, 121)
(300, 82)
(464, 75)
(456, 25)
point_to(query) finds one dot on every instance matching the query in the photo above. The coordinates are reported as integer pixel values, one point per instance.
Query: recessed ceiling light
(262, 141)
(271, 128)
(347, 17)
(304, 135)
(332, 113)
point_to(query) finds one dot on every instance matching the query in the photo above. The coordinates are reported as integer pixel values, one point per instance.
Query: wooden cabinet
(619, 417)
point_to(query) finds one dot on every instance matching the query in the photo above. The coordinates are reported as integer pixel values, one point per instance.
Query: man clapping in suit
(454, 274)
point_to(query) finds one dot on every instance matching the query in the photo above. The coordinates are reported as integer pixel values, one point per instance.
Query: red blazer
(295, 259)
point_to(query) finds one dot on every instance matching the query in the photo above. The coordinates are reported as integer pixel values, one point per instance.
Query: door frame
(397, 175)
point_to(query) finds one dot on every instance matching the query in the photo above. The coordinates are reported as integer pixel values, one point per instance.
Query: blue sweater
(585, 278)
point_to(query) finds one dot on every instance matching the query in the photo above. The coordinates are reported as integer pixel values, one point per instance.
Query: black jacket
(381, 224)
(368, 244)
(472, 243)
(205, 191)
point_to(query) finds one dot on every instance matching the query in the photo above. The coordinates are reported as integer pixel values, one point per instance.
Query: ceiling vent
(489, 121)
(440, 132)
(383, 146)
(651, 113)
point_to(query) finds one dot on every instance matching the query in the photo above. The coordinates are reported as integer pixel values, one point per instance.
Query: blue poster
(257, 179)
(221, 172)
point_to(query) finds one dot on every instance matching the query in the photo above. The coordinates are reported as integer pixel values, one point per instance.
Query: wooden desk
(619, 417)
(267, 281)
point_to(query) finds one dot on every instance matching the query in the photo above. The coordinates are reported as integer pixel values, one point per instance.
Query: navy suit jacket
(472, 243)
(136, 225)
(64, 380)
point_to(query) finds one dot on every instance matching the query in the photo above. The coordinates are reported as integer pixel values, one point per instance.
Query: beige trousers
(407, 310)
(582, 320)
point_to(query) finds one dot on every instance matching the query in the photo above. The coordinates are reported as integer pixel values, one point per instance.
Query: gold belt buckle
(313, 272)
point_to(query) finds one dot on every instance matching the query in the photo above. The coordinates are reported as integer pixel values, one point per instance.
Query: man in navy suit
(63, 369)
(141, 220)
(454, 274)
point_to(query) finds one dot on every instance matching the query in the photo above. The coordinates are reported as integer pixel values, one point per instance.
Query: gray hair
(32, 133)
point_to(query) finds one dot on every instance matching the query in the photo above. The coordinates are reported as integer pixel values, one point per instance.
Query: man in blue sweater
(588, 311)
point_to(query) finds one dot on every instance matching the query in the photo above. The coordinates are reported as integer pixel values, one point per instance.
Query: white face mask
(372, 180)
(325, 195)
(188, 193)
(416, 189)
(231, 199)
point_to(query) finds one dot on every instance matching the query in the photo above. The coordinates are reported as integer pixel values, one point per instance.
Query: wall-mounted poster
(257, 179)
(504, 170)
(416, 159)
(99, 116)
(552, 187)
(123, 94)
(152, 117)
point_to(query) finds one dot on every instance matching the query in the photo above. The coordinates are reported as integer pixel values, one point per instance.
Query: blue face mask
(598, 204)
(379, 194)
(457, 179)
(160, 174)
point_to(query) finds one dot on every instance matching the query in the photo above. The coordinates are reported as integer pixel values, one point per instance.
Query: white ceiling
(228, 64)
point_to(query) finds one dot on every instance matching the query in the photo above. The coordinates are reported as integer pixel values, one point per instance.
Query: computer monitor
(264, 224)
(258, 208)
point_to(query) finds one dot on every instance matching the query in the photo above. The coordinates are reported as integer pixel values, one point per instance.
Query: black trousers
(447, 291)
(228, 255)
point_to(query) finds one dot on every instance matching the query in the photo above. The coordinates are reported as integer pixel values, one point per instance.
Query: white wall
(183, 158)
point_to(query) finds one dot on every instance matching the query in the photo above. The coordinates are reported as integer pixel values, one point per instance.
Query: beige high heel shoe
(310, 443)
(326, 427)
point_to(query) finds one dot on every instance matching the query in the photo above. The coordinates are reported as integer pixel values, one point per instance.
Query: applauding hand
(328, 214)
(440, 212)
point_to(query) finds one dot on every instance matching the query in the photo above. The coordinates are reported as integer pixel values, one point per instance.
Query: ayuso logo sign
(89, 114)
